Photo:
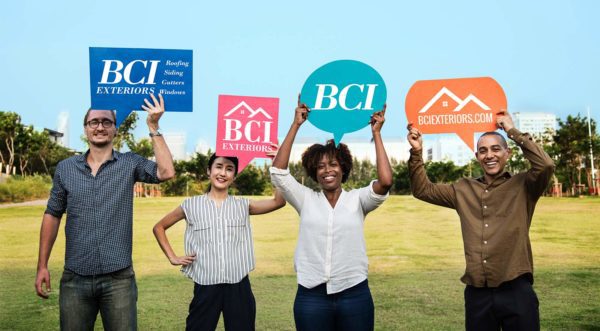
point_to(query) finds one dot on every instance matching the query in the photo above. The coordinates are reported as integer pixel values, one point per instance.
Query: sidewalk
(26, 203)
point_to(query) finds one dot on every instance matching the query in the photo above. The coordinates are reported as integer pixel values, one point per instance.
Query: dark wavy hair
(313, 155)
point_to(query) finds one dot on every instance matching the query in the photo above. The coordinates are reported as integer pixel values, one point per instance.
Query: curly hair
(312, 156)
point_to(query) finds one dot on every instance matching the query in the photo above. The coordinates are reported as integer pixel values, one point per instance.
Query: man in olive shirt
(495, 212)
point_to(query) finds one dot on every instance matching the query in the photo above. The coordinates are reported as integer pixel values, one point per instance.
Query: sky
(545, 54)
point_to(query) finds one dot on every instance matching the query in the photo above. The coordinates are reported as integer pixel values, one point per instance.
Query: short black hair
(312, 156)
(233, 159)
(494, 133)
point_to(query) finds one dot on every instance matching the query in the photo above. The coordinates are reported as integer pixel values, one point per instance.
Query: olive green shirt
(495, 217)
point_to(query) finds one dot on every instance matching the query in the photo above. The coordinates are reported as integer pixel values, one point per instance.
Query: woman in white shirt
(330, 259)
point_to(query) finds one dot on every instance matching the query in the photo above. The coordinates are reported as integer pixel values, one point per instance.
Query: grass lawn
(415, 254)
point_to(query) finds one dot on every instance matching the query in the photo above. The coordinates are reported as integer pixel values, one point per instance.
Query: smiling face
(100, 136)
(492, 154)
(329, 173)
(221, 173)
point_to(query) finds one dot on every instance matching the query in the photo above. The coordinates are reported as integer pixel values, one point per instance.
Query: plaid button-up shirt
(99, 210)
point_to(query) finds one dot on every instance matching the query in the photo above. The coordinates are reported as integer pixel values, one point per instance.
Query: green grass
(415, 253)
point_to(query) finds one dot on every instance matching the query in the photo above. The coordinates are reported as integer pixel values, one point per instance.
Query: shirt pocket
(201, 233)
(236, 229)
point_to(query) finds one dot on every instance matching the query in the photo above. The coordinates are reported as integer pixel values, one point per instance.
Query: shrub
(19, 189)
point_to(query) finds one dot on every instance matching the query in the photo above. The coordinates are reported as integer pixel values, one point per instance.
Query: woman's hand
(301, 112)
(182, 260)
(377, 120)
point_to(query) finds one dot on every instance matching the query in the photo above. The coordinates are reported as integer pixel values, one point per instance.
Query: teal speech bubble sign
(342, 95)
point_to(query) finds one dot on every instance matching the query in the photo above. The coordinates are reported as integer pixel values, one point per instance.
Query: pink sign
(246, 127)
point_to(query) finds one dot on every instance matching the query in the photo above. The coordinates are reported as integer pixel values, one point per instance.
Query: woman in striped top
(219, 252)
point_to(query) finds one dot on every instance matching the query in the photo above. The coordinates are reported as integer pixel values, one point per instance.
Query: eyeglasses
(105, 123)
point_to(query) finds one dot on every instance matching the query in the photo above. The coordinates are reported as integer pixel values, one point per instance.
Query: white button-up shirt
(331, 246)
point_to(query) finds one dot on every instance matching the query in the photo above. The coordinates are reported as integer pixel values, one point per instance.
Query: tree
(570, 150)
(10, 125)
(516, 162)
(125, 131)
(250, 181)
(443, 171)
(401, 178)
(142, 147)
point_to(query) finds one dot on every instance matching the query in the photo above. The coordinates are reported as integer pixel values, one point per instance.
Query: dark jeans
(351, 309)
(236, 301)
(511, 306)
(113, 294)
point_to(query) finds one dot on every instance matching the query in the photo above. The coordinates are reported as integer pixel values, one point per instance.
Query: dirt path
(26, 203)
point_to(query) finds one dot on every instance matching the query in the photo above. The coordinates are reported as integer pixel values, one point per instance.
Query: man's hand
(43, 278)
(301, 113)
(377, 120)
(155, 111)
(414, 138)
(182, 260)
(504, 120)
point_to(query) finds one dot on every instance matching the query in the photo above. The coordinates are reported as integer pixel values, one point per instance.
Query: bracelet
(155, 134)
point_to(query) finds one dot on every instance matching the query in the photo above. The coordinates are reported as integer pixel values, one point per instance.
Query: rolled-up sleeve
(57, 202)
(292, 191)
(369, 200)
(146, 171)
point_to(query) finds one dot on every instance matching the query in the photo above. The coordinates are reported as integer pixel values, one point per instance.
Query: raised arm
(161, 236)
(542, 166)
(164, 160)
(384, 170)
(283, 155)
(48, 233)
(264, 206)
(421, 187)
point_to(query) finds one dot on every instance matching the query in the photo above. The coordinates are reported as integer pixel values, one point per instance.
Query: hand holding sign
(155, 111)
(342, 95)
(121, 77)
(377, 120)
(301, 113)
(462, 106)
(414, 137)
(504, 121)
(247, 127)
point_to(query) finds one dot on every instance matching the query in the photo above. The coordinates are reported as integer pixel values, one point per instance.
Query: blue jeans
(351, 309)
(113, 294)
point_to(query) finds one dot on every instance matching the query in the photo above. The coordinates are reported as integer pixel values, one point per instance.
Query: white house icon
(461, 103)
(243, 106)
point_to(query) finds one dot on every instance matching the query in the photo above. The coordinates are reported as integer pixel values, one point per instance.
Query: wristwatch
(155, 134)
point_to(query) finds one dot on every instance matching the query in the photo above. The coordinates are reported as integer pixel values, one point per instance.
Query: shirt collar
(83, 157)
(505, 175)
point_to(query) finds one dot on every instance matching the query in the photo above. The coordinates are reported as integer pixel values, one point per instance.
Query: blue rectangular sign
(120, 78)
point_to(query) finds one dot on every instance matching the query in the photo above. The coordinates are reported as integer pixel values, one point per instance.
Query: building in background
(202, 147)
(443, 148)
(535, 123)
(62, 126)
(176, 142)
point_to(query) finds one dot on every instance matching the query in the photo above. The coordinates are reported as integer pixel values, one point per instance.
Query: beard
(100, 144)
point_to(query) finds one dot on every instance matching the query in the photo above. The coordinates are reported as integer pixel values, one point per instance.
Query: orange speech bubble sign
(462, 106)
